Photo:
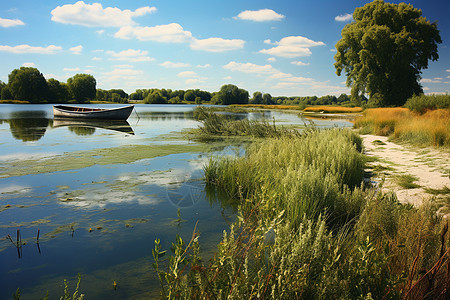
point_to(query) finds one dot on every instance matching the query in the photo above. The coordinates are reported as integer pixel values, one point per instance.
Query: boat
(65, 111)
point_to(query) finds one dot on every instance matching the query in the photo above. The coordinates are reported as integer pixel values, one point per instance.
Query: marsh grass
(429, 129)
(422, 103)
(406, 181)
(215, 124)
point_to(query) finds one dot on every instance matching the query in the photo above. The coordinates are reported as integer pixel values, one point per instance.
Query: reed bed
(333, 109)
(308, 229)
(429, 129)
(215, 124)
(268, 106)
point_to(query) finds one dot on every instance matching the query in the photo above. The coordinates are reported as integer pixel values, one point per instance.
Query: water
(101, 219)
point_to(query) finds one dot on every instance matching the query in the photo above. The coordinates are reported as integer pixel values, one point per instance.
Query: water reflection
(26, 128)
(88, 127)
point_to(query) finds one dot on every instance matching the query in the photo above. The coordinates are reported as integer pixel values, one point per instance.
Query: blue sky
(278, 47)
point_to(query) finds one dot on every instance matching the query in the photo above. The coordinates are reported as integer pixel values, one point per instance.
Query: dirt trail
(431, 167)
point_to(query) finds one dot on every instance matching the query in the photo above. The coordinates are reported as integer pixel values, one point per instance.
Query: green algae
(83, 159)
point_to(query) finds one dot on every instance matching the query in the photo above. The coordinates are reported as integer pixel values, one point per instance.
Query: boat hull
(64, 111)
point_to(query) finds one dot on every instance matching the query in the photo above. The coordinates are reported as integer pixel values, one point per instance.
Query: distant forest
(28, 84)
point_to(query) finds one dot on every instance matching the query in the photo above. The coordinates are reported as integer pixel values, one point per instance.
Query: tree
(231, 94)
(28, 84)
(267, 99)
(189, 95)
(82, 87)
(383, 51)
(257, 98)
(57, 91)
(155, 98)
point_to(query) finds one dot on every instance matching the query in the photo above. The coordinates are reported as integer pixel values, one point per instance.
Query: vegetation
(82, 87)
(333, 109)
(230, 94)
(27, 84)
(422, 103)
(430, 128)
(384, 50)
(308, 229)
(215, 124)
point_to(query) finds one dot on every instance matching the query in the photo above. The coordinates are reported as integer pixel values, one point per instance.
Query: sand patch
(429, 167)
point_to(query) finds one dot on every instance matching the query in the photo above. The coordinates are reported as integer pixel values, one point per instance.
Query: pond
(91, 198)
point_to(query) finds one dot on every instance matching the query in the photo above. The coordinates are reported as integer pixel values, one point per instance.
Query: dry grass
(14, 102)
(430, 128)
(333, 109)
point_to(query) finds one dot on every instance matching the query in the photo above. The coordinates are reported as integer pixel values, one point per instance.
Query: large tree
(28, 84)
(231, 94)
(82, 87)
(383, 51)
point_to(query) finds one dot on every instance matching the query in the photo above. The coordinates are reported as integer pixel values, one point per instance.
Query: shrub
(422, 103)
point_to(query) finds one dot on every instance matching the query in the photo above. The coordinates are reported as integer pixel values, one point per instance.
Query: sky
(284, 48)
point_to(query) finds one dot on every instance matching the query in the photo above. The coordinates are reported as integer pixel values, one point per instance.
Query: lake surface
(99, 195)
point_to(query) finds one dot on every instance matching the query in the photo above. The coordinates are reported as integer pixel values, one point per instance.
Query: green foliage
(82, 87)
(27, 84)
(114, 95)
(422, 103)
(155, 98)
(66, 296)
(230, 94)
(384, 50)
(57, 91)
(6, 93)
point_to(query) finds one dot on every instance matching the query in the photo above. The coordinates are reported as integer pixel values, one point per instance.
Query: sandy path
(430, 166)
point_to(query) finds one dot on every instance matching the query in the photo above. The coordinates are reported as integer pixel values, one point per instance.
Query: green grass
(406, 181)
(422, 103)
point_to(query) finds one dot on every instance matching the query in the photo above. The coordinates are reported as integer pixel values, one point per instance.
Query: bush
(422, 103)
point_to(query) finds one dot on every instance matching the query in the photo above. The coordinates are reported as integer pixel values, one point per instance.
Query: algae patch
(83, 159)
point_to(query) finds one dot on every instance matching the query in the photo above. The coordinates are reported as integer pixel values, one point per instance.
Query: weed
(406, 181)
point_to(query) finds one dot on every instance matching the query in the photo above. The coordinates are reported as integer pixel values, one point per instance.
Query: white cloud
(272, 59)
(344, 18)
(187, 74)
(170, 33)
(292, 46)
(261, 15)
(100, 32)
(20, 49)
(217, 44)
(268, 41)
(169, 64)
(448, 70)
(228, 78)
(130, 55)
(250, 68)
(427, 80)
(96, 58)
(193, 81)
(71, 69)
(299, 63)
(10, 22)
(29, 64)
(124, 72)
(204, 66)
(94, 15)
(77, 49)
(123, 66)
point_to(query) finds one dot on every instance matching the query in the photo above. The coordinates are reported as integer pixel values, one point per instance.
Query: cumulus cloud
(272, 59)
(10, 22)
(71, 69)
(217, 44)
(170, 33)
(169, 64)
(204, 66)
(299, 63)
(187, 74)
(262, 15)
(292, 46)
(21, 49)
(343, 18)
(130, 55)
(250, 68)
(77, 49)
(94, 15)
(29, 64)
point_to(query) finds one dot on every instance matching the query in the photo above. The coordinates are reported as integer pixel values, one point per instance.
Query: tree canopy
(230, 94)
(383, 51)
(82, 87)
(27, 84)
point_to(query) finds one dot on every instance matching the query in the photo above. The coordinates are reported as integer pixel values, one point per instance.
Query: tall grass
(333, 109)
(215, 124)
(430, 128)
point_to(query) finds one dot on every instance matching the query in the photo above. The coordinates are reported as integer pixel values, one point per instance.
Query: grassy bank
(308, 229)
(429, 128)
(333, 109)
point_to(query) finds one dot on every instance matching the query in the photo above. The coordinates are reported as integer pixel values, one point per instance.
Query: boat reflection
(88, 127)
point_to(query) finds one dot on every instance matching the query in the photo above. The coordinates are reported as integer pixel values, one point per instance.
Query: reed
(333, 109)
(431, 128)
